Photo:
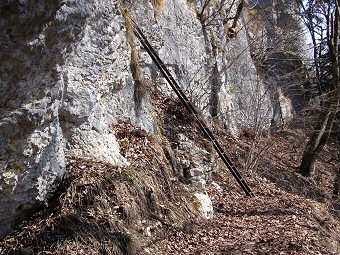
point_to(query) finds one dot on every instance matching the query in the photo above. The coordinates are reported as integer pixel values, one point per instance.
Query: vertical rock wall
(203, 58)
(278, 49)
(59, 68)
(35, 39)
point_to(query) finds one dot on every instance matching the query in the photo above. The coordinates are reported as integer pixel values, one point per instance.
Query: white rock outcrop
(204, 205)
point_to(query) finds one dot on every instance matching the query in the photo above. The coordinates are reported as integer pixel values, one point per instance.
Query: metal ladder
(201, 123)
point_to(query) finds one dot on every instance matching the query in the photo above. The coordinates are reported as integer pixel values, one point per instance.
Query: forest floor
(290, 214)
(104, 209)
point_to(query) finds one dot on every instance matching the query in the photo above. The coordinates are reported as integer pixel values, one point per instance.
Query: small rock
(147, 232)
(199, 183)
(185, 163)
(204, 205)
(216, 186)
(197, 172)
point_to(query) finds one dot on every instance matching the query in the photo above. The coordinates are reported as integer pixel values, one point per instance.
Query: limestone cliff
(65, 78)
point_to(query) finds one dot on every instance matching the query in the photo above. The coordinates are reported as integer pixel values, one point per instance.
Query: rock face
(216, 72)
(198, 163)
(34, 39)
(278, 49)
(65, 77)
(57, 64)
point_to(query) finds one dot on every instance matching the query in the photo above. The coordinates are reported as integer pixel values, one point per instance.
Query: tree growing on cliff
(322, 21)
(211, 14)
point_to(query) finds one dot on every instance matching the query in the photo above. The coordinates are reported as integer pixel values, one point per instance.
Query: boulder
(204, 205)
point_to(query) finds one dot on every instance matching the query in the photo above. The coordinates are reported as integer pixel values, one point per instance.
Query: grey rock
(197, 172)
(199, 183)
(48, 82)
(217, 186)
(279, 48)
(199, 163)
(34, 41)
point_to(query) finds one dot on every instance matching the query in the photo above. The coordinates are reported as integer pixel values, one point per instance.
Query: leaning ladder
(201, 123)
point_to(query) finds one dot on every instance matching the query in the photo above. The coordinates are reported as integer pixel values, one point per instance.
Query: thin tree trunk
(215, 84)
(211, 51)
(238, 13)
(328, 113)
(316, 144)
(336, 187)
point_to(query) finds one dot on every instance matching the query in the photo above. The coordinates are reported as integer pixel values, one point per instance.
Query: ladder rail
(201, 123)
(173, 83)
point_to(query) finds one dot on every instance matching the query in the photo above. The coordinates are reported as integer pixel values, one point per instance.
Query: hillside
(148, 208)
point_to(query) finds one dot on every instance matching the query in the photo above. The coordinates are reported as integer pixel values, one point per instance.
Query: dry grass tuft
(84, 220)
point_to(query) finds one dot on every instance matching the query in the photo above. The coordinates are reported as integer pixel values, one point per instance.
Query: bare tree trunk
(215, 89)
(238, 13)
(328, 113)
(336, 187)
(211, 51)
(215, 84)
(316, 144)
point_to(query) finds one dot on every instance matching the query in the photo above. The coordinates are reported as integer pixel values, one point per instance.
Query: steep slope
(103, 209)
(149, 208)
